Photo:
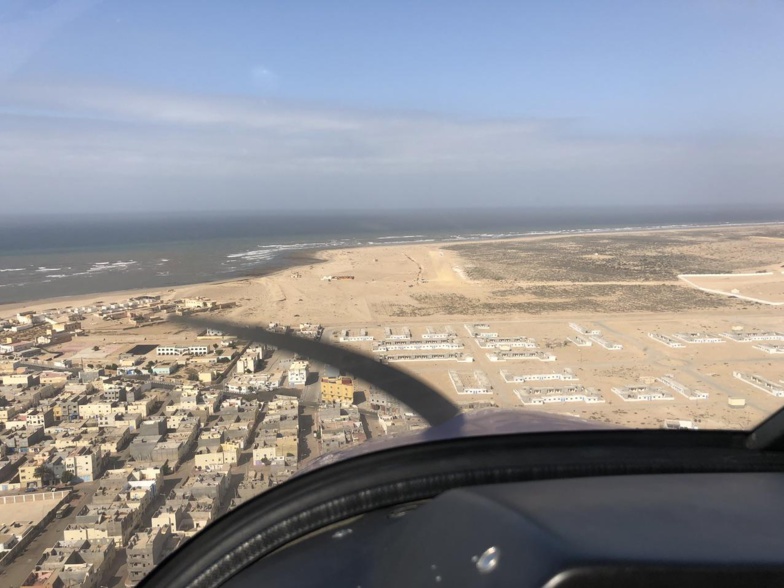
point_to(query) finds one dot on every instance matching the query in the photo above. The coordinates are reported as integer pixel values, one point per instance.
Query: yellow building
(6, 414)
(8, 366)
(86, 533)
(207, 377)
(24, 379)
(28, 475)
(233, 444)
(263, 451)
(95, 409)
(53, 377)
(142, 406)
(287, 447)
(228, 455)
(339, 389)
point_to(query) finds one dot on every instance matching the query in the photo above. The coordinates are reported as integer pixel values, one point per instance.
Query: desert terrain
(625, 285)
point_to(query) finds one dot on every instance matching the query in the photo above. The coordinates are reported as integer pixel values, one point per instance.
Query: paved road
(118, 570)
(24, 563)
(170, 481)
(309, 445)
(371, 423)
(311, 393)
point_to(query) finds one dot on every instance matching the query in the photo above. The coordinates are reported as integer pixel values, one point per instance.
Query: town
(124, 433)
(112, 454)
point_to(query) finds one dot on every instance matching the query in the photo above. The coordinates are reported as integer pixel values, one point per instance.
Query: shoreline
(311, 257)
(290, 260)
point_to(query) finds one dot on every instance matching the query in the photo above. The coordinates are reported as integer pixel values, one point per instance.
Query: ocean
(48, 256)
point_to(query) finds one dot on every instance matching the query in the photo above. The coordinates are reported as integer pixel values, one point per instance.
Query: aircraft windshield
(240, 240)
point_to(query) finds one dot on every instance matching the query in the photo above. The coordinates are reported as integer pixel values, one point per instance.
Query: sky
(255, 105)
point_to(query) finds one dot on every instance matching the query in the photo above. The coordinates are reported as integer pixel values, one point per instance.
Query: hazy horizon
(114, 107)
(598, 211)
(44, 256)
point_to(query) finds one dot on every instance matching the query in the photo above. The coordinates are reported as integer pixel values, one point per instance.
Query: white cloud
(90, 143)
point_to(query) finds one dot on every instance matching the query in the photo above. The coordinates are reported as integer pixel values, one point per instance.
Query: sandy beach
(624, 284)
(505, 278)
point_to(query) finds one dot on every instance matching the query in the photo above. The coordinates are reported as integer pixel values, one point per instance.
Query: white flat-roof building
(496, 342)
(403, 335)
(741, 337)
(182, 350)
(681, 389)
(677, 424)
(770, 348)
(432, 336)
(640, 393)
(298, 373)
(485, 335)
(668, 341)
(507, 355)
(553, 395)
(583, 331)
(763, 384)
(8, 348)
(427, 357)
(564, 376)
(697, 338)
(611, 345)
(447, 333)
(347, 336)
(472, 328)
(416, 346)
(482, 385)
